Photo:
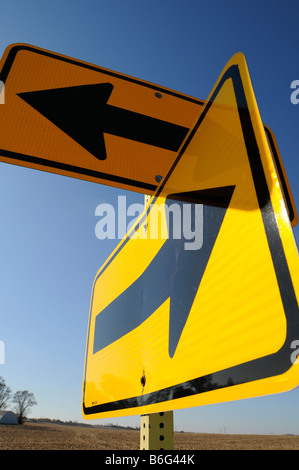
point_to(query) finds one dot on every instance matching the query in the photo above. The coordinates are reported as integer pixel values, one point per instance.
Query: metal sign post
(156, 431)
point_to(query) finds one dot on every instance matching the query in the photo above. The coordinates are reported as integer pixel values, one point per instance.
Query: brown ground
(33, 436)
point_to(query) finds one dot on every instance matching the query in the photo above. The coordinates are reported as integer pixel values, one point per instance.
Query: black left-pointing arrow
(82, 112)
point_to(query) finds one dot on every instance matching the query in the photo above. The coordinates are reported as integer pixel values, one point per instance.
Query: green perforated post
(156, 431)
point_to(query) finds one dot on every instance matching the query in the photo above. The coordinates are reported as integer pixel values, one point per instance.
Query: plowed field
(32, 436)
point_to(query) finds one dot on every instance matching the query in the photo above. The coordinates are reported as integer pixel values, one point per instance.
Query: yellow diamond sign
(199, 303)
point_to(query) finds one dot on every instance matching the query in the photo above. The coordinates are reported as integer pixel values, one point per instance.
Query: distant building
(8, 417)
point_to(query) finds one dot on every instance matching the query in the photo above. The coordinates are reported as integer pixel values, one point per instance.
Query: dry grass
(188, 441)
(33, 436)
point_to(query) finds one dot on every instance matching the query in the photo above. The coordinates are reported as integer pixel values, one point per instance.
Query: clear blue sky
(49, 253)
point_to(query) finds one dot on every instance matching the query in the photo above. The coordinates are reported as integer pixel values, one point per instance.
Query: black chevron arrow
(82, 112)
(174, 272)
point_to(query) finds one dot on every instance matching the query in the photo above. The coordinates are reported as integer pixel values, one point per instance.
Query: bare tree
(5, 394)
(23, 400)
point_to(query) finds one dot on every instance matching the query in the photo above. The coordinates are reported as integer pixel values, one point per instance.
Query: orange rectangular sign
(76, 119)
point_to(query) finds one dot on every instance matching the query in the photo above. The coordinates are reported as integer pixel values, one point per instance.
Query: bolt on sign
(175, 325)
(76, 119)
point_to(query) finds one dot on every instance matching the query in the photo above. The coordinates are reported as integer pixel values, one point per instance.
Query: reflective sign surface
(76, 119)
(200, 300)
